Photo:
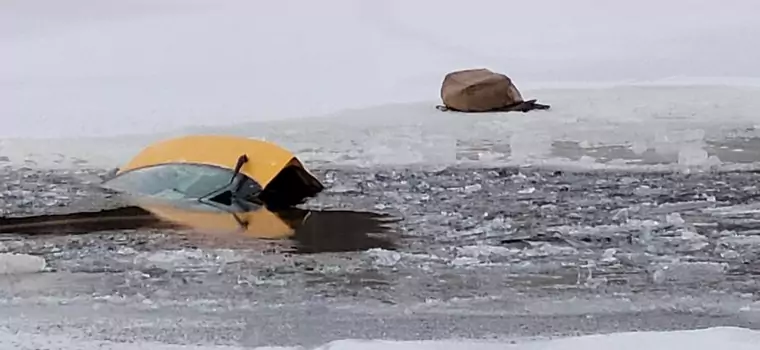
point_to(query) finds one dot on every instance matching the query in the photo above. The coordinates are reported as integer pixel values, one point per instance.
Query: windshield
(173, 181)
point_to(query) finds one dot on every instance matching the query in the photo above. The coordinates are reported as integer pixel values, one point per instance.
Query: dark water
(310, 231)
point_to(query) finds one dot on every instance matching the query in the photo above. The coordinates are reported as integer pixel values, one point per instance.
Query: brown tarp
(481, 90)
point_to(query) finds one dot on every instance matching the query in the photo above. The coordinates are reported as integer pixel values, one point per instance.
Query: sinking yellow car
(221, 185)
(234, 173)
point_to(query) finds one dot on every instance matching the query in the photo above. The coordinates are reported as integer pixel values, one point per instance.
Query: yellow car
(233, 173)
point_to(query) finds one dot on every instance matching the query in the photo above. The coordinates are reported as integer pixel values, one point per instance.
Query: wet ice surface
(540, 251)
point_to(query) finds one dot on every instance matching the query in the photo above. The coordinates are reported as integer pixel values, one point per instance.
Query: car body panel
(266, 160)
(266, 172)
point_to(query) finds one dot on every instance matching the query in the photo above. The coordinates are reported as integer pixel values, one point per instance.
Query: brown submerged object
(481, 90)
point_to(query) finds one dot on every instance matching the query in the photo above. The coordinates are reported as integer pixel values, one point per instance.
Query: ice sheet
(629, 126)
(11, 264)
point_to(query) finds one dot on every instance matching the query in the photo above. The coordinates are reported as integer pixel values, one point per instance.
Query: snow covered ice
(354, 83)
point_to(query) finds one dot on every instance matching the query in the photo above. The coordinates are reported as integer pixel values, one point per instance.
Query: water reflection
(310, 231)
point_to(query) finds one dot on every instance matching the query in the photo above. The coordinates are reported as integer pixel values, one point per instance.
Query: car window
(173, 181)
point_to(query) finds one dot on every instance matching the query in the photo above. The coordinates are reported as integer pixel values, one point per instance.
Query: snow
(704, 339)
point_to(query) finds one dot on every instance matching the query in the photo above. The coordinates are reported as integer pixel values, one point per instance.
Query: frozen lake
(638, 85)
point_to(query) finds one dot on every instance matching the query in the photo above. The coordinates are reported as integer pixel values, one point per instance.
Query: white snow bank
(708, 339)
(705, 339)
(12, 263)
